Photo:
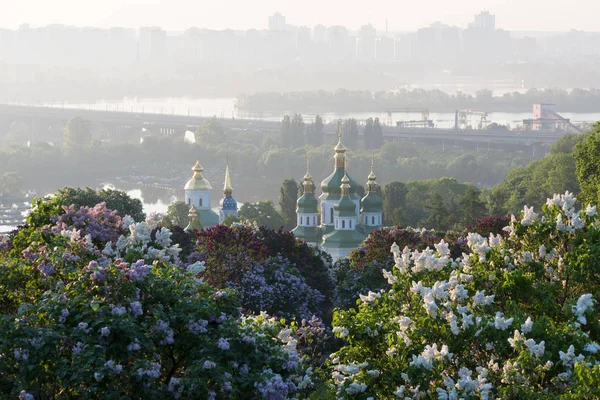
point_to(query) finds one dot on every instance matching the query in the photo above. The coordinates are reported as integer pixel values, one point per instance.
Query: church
(197, 197)
(339, 220)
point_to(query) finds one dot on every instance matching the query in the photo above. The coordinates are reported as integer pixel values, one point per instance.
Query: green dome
(310, 234)
(307, 204)
(345, 208)
(331, 185)
(343, 239)
(372, 203)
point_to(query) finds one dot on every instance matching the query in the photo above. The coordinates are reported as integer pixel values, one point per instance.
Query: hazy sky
(176, 15)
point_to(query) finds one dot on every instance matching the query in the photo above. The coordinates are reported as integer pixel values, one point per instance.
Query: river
(225, 108)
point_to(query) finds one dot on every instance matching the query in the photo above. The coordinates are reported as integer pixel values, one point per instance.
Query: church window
(200, 202)
(373, 220)
(189, 201)
(300, 220)
(350, 224)
(331, 214)
(314, 220)
(343, 224)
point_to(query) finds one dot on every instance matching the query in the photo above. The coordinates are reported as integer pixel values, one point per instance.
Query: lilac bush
(276, 286)
(88, 317)
(513, 317)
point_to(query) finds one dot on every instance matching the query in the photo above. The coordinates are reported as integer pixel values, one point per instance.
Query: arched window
(200, 202)
(350, 224)
(343, 224)
(300, 220)
(331, 214)
(373, 220)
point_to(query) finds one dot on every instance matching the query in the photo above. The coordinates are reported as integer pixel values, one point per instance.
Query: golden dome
(345, 180)
(197, 182)
(339, 147)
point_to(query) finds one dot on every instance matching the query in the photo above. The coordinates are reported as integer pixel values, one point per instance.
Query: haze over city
(178, 15)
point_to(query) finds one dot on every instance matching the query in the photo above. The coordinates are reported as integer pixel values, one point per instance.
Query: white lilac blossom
(401, 260)
(527, 326)
(442, 248)
(569, 359)
(480, 299)
(502, 323)
(343, 332)
(583, 304)
(537, 349)
(355, 388)
(371, 297)
(528, 216)
(592, 347)
(494, 240)
(389, 276)
(163, 237)
(590, 210)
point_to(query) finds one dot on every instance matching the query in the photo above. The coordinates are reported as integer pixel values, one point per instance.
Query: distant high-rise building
(277, 22)
(384, 49)
(365, 43)
(484, 20)
(152, 44)
(319, 34)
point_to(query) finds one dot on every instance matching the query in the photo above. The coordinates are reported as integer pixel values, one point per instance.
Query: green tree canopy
(263, 213)
(377, 139)
(297, 131)
(11, 184)
(286, 131)
(288, 195)
(351, 133)
(587, 159)
(177, 215)
(471, 206)
(114, 199)
(78, 133)
(368, 133)
(394, 197)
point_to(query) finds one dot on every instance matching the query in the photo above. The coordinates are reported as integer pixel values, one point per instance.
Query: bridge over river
(48, 122)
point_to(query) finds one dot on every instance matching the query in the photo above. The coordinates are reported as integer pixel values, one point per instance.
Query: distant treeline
(341, 100)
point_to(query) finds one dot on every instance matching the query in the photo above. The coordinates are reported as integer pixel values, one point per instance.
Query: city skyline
(510, 15)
